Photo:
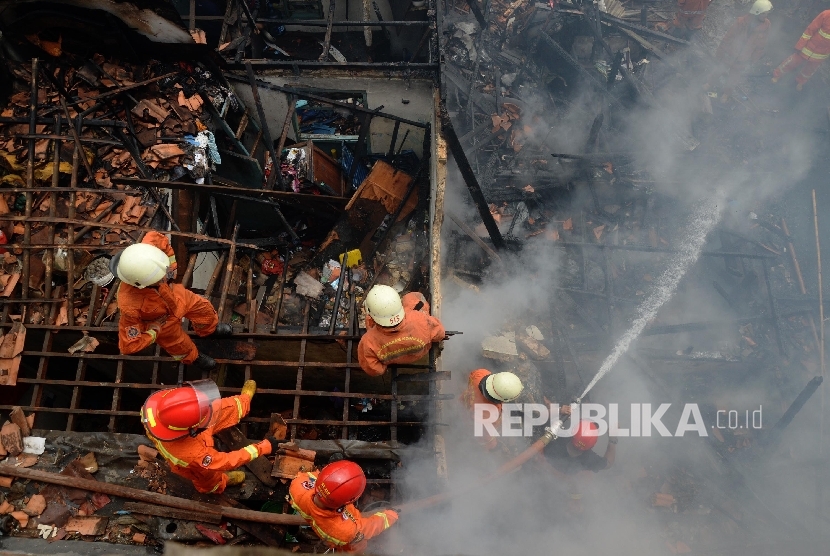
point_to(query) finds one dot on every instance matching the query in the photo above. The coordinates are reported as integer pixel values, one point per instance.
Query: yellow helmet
(504, 387)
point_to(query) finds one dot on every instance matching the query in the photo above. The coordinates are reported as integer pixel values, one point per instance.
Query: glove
(249, 388)
(264, 447)
(154, 327)
(392, 516)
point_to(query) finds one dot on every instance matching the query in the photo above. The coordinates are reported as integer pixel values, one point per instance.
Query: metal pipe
(511, 465)
(150, 497)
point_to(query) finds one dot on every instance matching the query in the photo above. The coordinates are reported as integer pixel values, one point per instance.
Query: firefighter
(812, 49)
(181, 423)
(326, 501)
(742, 45)
(152, 307)
(397, 331)
(688, 19)
(484, 387)
(577, 455)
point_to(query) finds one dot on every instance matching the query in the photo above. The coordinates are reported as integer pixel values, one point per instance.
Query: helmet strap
(482, 386)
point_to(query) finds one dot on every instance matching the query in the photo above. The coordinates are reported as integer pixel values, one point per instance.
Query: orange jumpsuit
(405, 343)
(345, 530)
(813, 48)
(742, 45)
(195, 457)
(167, 304)
(472, 396)
(690, 14)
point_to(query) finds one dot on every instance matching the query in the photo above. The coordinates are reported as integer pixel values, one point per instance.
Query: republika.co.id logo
(521, 419)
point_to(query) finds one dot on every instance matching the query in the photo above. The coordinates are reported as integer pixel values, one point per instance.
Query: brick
(146, 453)
(87, 526)
(35, 505)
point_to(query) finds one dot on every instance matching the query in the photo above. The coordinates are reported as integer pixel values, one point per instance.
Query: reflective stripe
(172, 259)
(152, 334)
(805, 36)
(823, 34)
(320, 533)
(810, 54)
(172, 428)
(179, 357)
(215, 488)
(385, 518)
(150, 418)
(251, 449)
(238, 406)
(167, 455)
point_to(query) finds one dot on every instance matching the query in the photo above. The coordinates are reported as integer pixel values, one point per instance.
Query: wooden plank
(234, 439)
(172, 513)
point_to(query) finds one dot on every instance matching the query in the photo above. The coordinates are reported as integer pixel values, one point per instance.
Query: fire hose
(549, 435)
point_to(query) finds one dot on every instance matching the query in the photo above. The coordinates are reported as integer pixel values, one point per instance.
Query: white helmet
(505, 387)
(384, 306)
(760, 7)
(142, 265)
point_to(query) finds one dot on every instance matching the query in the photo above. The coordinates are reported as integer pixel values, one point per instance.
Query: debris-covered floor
(573, 189)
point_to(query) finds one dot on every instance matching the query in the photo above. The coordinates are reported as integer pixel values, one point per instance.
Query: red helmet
(586, 435)
(173, 413)
(340, 483)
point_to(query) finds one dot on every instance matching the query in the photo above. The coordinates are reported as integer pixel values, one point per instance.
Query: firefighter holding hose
(326, 500)
(492, 389)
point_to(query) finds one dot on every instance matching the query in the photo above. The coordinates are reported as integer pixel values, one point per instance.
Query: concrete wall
(379, 91)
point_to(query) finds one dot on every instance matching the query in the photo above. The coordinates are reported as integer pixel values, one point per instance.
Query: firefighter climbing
(152, 308)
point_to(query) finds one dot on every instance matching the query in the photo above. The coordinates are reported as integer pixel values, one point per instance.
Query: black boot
(223, 330)
(205, 362)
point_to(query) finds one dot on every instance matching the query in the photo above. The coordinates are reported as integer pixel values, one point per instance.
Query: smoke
(730, 498)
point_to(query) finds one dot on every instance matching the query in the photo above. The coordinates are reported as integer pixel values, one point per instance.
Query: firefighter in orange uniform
(397, 331)
(484, 387)
(326, 501)
(181, 423)
(152, 308)
(813, 48)
(742, 45)
(687, 20)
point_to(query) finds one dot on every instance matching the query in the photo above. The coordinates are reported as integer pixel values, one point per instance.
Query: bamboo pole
(802, 288)
(821, 351)
(150, 497)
